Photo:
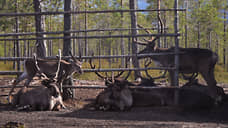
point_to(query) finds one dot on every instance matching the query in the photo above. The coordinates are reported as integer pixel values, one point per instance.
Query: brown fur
(49, 68)
(194, 96)
(39, 98)
(116, 97)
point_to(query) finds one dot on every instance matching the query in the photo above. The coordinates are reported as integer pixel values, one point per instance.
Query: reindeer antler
(153, 39)
(106, 77)
(58, 68)
(146, 64)
(73, 58)
(96, 72)
(38, 68)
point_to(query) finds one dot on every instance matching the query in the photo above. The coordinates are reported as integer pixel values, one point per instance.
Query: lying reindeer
(47, 67)
(192, 97)
(41, 98)
(47, 97)
(116, 97)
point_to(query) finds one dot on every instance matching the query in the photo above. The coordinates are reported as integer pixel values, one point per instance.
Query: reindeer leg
(209, 78)
(18, 80)
(172, 77)
(215, 92)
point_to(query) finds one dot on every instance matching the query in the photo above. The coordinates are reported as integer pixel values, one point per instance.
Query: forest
(202, 24)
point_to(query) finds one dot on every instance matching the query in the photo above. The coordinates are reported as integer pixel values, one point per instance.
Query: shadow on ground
(219, 114)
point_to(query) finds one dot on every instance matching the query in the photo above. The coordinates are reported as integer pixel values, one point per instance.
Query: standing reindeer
(49, 68)
(191, 60)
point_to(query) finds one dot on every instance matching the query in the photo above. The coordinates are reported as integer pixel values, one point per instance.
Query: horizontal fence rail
(88, 57)
(65, 86)
(91, 37)
(88, 12)
(87, 86)
(100, 70)
(75, 31)
(92, 57)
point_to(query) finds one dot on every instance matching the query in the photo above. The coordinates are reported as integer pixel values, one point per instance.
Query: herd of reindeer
(121, 94)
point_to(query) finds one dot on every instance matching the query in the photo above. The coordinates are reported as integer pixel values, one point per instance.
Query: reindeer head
(76, 64)
(150, 46)
(116, 96)
(52, 86)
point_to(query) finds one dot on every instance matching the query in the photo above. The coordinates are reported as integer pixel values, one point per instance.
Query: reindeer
(120, 96)
(116, 97)
(47, 97)
(191, 60)
(47, 67)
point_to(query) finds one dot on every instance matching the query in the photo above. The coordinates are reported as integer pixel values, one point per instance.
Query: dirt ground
(76, 116)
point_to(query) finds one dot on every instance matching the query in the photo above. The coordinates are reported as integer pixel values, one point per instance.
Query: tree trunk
(135, 61)
(224, 36)
(159, 18)
(165, 26)
(122, 40)
(67, 92)
(5, 51)
(67, 26)
(227, 60)
(198, 31)
(186, 25)
(74, 28)
(86, 43)
(40, 45)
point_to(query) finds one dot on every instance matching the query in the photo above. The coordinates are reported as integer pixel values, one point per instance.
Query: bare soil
(76, 116)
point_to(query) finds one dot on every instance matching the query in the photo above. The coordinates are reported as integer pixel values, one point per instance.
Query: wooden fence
(14, 37)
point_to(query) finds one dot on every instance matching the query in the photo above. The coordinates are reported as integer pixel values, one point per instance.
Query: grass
(220, 73)
(7, 66)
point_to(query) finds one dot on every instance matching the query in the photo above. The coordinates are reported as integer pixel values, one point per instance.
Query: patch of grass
(7, 66)
(220, 73)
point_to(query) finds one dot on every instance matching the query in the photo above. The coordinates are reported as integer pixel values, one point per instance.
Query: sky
(142, 4)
